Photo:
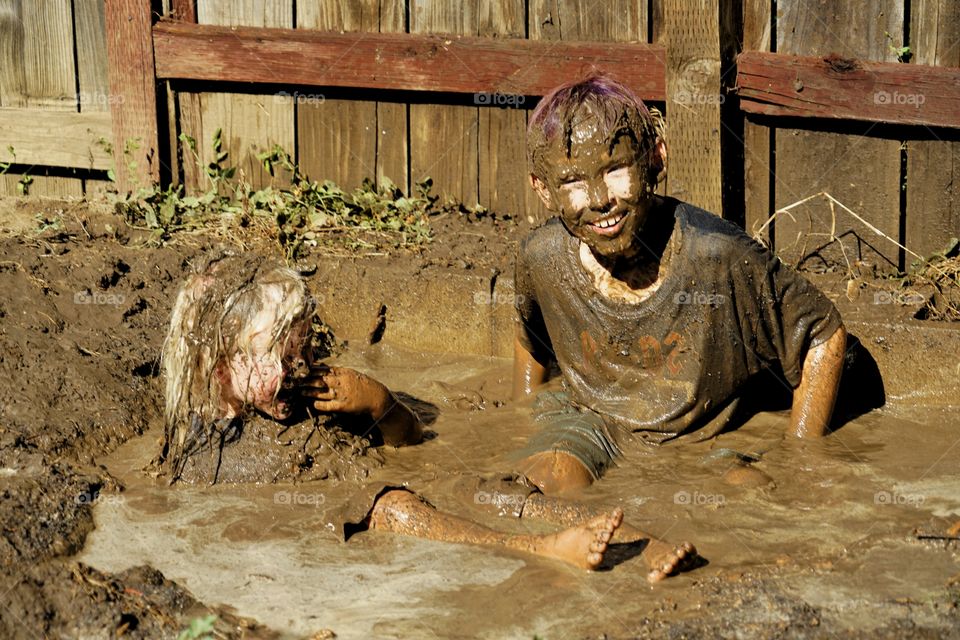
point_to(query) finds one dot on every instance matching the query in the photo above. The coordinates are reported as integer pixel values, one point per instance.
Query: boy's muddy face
(598, 190)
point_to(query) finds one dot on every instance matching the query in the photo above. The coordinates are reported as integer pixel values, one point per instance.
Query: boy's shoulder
(545, 242)
(707, 235)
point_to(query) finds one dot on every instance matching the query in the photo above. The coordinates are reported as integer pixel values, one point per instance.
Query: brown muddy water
(836, 537)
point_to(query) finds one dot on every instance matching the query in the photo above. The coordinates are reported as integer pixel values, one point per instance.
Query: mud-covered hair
(212, 319)
(620, 111)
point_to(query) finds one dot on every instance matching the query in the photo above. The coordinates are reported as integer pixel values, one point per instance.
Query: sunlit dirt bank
(856, 537)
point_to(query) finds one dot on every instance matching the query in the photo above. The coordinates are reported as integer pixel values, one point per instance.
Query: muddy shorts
(574, 430)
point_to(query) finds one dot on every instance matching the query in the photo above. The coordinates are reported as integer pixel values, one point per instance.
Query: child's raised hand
(345, 391)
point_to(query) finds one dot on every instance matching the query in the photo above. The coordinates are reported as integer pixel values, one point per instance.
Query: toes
(594, 559)
(598, 547)
(656, 576)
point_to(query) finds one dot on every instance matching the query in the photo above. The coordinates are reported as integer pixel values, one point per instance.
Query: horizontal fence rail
(398, 61)
(777, 84)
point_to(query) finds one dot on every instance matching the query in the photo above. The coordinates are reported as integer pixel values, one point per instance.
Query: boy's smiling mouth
(609, 225)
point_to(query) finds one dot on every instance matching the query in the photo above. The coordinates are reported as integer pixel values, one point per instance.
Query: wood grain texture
(862, 172)
(393, 149)
(757, 172)
(91, 35)
(92, 67)
(933, 167)
(419, 62)
(337, 139)
(134, 106)
(848, 89)
(443, 140)
(56, 138)
(37, 72)
(693, 101)
(251, 123)
(501, 130)
(37, 69)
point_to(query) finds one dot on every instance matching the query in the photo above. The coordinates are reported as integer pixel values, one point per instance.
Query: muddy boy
(657, 312)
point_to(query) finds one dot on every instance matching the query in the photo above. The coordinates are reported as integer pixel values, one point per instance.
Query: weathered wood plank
(42, 185)
(757, 30)
(443, 140)
(184, 10)
(933, 167)
(861, 171)
(37, 72)
(56, 138)
(693, 101)
(134, 109)
(251, 123)
(92, 66)
(501, 131)
(392, 133)
(449, 63)
(37, 68)
(849, 89)
(337, 139)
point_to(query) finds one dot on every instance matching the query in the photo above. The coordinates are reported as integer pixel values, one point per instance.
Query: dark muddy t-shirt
(672, 364)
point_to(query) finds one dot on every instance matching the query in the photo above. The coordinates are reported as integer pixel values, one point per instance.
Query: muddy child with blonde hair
(239, 340)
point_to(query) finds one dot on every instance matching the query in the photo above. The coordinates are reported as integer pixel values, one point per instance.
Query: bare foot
(665, 559)
(585, 544)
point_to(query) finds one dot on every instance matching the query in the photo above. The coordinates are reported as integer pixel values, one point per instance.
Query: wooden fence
(821, 99)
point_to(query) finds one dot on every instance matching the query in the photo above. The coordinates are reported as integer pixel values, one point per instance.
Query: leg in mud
(584, 545)
(556, 472)
(663, 558)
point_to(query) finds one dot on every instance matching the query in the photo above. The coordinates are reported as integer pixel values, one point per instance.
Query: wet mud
(851, 538)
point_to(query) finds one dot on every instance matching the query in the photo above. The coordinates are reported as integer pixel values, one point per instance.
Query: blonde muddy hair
(217, 311)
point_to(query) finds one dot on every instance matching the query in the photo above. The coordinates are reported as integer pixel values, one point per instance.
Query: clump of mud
(263, 451)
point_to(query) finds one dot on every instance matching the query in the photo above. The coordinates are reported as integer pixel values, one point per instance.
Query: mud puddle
(832, 546)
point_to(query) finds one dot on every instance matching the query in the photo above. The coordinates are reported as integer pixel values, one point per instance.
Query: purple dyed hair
(621, 113)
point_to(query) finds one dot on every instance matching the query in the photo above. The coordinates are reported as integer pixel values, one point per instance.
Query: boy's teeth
(608, 222)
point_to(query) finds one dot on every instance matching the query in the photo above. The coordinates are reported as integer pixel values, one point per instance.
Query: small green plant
(903, 53)
(199, 629)
(301, 213)
(23, 184)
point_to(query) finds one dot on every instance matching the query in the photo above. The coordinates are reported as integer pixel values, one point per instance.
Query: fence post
(692, 36)
(133, 104)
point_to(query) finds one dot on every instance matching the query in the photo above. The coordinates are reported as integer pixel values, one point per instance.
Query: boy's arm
(814, 398)
(528, 372)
